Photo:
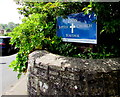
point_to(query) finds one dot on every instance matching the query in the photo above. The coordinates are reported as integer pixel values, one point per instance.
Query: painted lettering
(72, 35)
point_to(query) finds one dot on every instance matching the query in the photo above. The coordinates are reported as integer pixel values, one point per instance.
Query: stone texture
(56, 75)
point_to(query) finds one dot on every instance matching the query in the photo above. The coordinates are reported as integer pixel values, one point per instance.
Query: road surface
(7, 76)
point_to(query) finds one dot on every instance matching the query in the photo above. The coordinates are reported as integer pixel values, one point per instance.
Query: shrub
(38, 31)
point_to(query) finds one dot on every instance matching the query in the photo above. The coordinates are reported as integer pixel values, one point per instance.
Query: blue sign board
(78, 27)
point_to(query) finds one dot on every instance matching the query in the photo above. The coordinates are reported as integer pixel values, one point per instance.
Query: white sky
(9, 12)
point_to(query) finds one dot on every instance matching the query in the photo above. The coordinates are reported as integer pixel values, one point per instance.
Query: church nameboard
(78, 28)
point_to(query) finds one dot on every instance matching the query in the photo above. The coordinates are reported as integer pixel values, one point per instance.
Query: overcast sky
(8, 12)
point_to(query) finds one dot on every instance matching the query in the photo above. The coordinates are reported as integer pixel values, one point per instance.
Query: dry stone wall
(58, 76)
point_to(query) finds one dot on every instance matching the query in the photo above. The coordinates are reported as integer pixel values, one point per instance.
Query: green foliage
(27, 36)
(102, 53)
(59, 47)
(38, 31)
(108, 16)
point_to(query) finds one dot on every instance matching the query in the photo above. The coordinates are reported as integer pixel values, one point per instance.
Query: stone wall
(57, 76)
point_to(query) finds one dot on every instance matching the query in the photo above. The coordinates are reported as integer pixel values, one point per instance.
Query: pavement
(19, 88)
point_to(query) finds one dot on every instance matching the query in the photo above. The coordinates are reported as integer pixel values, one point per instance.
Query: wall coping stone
(91, 65)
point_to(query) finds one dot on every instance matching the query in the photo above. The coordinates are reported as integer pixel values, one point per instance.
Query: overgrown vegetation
(38, 31)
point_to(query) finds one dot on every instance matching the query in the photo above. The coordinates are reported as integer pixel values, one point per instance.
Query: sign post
(79, 28)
